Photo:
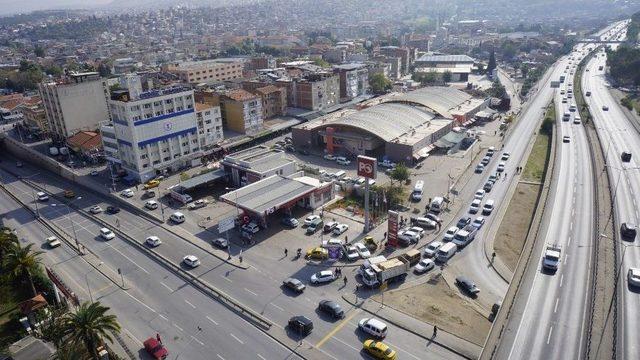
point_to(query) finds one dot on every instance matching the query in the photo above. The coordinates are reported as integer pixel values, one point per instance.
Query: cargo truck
(387, 271)
(465, 235)
(369, 262)
(551, 257)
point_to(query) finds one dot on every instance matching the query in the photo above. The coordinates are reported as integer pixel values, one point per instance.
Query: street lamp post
(33, 193)
(161, 206)
(73, 227)
(86, 278)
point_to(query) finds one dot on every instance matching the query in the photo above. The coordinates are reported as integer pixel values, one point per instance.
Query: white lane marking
(196, 339)
(565, 258)
(251, 292)
(261, 357)
(133, 337)
(178, 327)
(140, 302)
(549, 337)
(555, 308)
(166, 286)
(220, 357)
(569, 242)
(226, 278)
(277, 307)
(235, 337)
(163, 317)
(561, 277)
(190, 304)
(349, 345)
(128, 258)
(210, 319)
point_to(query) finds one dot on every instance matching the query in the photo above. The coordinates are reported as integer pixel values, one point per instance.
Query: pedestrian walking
(158, 338)
(493, 256)
(385, 235)
(435, 331)
(286, 252)
(345, 281)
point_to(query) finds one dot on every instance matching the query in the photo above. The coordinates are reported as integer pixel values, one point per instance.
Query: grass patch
(536, 166)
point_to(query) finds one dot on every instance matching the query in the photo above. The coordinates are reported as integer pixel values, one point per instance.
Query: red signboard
(392, 231)
(367, 167)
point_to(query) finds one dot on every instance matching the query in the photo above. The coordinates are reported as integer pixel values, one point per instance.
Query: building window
(194, 141)
(147, 106)
(207, 122)
(168, 101)
(156, 103)
(156, 162)
(158, 113)
(167, 158)
(207, 112)
(143, 156)
(185, 153)
(145, 165)
(185, 143)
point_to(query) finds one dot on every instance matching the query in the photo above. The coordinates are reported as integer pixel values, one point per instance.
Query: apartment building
(154, 131)
(241, 110)
(207, 71)
(405, 55)
(33, 114)
(354, 80)
(77, 102)
(274, 100)
(316, 91)
(209, 122)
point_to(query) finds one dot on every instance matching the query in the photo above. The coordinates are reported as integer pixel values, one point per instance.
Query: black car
(488, 186)
(628, 231)
(467, 285)
(222, 243)
(112, 210)
(294, 284)
(463, 222)
(626, 156)
(301, 325)
(332, 308)
(290, 222)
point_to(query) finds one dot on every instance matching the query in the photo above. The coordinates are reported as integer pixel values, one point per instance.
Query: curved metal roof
(440, 99)
(387, 121)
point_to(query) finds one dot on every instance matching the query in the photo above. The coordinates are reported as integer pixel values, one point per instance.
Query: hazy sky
(20, 6)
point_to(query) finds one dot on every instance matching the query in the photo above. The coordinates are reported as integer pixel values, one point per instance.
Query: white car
(191, 261)
(342, 161)
(450, 233)
(432, 248)
(409, 236)
(478, 222)
(340, 229)
(127, 193)
(418, 230)
(96, 209)
(310, 219)
(362, 250)
(323, 277)
(331, 243)
(633, 277)
(107, 234)
(424, 265)
(251, 228)
(330, 157)
(53, 242)
(153, 241)
(42, 196)
(479, 194)
(352, 254)
(500, 167)
(197, 204)
(475, 206)
(151, 205)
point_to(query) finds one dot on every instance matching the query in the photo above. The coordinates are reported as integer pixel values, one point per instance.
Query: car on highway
(475, 206)
(294, 284)
(53, 242)
(564, 100)
(572, 108)
(149, 194)
(625, 156)
(485, 161)
(424, 265)
(339, 229)
(41, 196)
(221, 243)
(113, 210)
(301, 325)
(191, 261)
(605, 108)
(488, 186)
(250, 228)
(351, 253)
(290, 222)
(633, 277)
(151, 184)
(362, 250)
(467, 285)
(577, 120)
(566, 139)
(155, 348)
(310, 219)
(318, 253)
(323, 276)
(153, 241)
(107, 234)
(431, 249)
(501, 167)
(628, 231)
(331, 308)
(96, 209)
(463, 222)
(200, 203)
(479, 194)
(478, 222)
(450, 233)
(151, 204)
(373, 327)
(505, 156)
(588, 93)
(69, 194)
(491, 150)
(330, 157)
(378, 350)
(479, 169)
(493, 177)
(128, 193)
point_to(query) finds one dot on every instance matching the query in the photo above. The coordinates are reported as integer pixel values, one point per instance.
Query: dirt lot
(437, 304)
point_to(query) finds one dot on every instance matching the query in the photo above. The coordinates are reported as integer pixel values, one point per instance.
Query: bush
(626, 102)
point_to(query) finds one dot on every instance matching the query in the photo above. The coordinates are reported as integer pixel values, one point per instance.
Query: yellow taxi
(69, 194)
(151, 184)
(318, 253)
(379, 350)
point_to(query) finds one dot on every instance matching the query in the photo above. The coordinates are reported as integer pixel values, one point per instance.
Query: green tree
(53, 70)
(497, 90)
(379, 83)
(39, 51)
(90, 325)
(322, 63)
(22, 262)
(492, 62)
(400, 173)
(8, 240)
(446, 76)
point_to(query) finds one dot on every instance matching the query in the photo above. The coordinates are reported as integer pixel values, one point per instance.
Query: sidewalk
(417, 327)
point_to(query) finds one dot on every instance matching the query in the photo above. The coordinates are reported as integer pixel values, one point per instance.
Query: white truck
(551, 258)
(369, 262)
(465, 235)
(387, 271)
(437, 204)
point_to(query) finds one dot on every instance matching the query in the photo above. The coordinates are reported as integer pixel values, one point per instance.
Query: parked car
(485, 161)
(309, 219)
(318, 253)
(151, 184)
(424, 265)
(96, 209)
(418, 230)
(94, 172)
(450, 233)
(328, 227)
(343, 161)
(479, 169)
(332, 308)
(351, 253)
(290, 222)
(200, 203)
(323, 276)
(42, 196)
(221, 243)
(362, 250)
(408, 237)
(294, 284)
(53, 242)
(505, 156)
(153, 241)
(431, 249)
(113, 210)
(151, 205)
(467, 285)
(128, 193)
(191, 261)
(340, 228)
(155, 348)
(501, 167)
(69, 194)
(330, 157)
(605, 108)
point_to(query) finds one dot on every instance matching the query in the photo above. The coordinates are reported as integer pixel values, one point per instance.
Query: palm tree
(89, 325)
(22, 262)
(7, 241)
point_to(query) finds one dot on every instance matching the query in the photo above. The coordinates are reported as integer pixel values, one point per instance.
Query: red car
(155, 348)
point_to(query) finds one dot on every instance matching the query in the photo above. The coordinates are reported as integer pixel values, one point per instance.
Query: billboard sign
(226, 224)
(392, 230)
(367, 167)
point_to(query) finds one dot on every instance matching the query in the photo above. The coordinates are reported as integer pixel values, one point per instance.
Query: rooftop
(240, 95)
(445, 58)
(268, 89)
(440, 99)
(202, 106)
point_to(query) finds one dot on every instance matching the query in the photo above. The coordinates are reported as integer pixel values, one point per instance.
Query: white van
(373, 327)
(340, 174)
(446, 251)
(177, 217)
(436, 204)
(488, 207)
(417, 191)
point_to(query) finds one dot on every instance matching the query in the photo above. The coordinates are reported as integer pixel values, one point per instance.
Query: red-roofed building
(85, 142)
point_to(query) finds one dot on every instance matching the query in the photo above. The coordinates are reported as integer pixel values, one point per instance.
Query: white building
(155, 131)
(77, 102)
(209, 123)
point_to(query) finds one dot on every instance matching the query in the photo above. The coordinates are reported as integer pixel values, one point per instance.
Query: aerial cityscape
(297, 179)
